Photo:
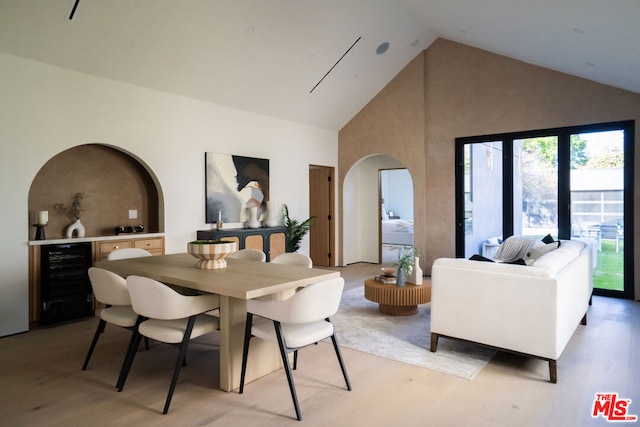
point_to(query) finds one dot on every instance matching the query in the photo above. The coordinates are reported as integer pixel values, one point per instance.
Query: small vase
(75, 227)
(272, 219)
(400, 277)
(416, 273)
(253, 217)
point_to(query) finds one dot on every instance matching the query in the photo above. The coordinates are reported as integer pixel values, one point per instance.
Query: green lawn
(609, 272)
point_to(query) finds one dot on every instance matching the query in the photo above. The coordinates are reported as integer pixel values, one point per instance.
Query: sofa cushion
(556, 260)
(514, 248)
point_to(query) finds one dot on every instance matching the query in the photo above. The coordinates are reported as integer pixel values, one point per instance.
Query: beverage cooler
(65, 288)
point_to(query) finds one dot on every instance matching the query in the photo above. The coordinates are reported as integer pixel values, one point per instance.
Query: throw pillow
(513, 248)
(537, 251)
(547, 239)
(480, 258)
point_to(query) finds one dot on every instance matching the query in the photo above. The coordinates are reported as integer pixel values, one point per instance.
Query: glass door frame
(564, 190)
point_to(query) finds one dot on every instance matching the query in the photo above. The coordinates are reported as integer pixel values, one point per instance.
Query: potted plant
(405, 264)
(297, 230)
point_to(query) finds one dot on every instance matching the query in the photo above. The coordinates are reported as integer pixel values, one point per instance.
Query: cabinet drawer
(105, 248)
(149, 244)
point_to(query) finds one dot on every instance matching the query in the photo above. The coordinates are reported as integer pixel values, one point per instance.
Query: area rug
(360, 326)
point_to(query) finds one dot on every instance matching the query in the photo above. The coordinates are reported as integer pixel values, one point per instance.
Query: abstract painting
(234, 184)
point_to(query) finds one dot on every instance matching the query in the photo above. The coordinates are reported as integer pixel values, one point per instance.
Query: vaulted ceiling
(310, 61)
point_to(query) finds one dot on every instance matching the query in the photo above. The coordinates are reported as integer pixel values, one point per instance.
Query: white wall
(360, 212)
(45, 110)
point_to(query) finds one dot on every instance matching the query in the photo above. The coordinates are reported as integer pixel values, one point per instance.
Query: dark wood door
(321, 206)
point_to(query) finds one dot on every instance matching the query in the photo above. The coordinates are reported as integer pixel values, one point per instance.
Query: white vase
(416, 273)
(253, 218)
(272, 217)
(75, 227)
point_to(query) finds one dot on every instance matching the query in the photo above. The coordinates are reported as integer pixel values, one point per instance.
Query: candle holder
(40, 231)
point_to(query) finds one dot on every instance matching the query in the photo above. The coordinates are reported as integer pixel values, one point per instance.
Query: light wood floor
(41, 382)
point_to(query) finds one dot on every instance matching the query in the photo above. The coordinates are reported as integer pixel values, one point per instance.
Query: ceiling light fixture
(73, 9)
(334, 65)
(382, 48)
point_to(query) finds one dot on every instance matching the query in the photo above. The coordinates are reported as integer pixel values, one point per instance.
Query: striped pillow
(514, 248)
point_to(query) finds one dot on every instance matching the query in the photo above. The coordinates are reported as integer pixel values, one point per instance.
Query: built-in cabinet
(270, 240)
(153, 245)
(100, 249)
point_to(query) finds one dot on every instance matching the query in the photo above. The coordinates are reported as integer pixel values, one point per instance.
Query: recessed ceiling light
(250, 30)
(382, 48)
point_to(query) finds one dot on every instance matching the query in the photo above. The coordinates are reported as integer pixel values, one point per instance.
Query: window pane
(535, 186)
(600, 218)
(483, 197)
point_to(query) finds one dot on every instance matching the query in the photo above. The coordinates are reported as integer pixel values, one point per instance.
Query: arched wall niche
(114, 181)
(360, 209)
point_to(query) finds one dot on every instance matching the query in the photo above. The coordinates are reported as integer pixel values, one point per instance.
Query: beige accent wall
(451, 90)
(391, 124)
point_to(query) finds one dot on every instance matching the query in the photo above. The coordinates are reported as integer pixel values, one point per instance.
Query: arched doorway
(361, 209)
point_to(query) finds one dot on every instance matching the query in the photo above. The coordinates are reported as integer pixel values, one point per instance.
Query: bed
(397, 232)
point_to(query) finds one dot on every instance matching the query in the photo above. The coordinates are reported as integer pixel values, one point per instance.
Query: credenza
(270, 240)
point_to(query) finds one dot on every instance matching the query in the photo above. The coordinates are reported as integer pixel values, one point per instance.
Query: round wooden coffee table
(397, 300)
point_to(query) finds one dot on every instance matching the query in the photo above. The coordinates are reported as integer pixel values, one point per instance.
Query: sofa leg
(553, 371)
(434, 342)
(584, 320)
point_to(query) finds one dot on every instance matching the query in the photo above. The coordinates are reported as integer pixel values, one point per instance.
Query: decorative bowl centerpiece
(211, 253)
(388, 271)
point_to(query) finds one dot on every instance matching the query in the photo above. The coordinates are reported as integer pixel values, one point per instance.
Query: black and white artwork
(233, 185)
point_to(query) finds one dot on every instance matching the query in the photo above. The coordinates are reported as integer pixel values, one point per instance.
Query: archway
(361, 209)
(119, 189)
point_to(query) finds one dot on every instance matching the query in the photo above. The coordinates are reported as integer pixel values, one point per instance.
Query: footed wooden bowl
(388, 271)
(211, 253)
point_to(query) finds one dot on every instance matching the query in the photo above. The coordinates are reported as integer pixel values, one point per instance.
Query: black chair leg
(295, 360)
(342, 366)
(130, 355)
(96, 336)
(146, 343)
(287, 368)
(181, 356)
(245, 350)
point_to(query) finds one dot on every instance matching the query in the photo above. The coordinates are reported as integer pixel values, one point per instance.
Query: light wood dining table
(239, 281)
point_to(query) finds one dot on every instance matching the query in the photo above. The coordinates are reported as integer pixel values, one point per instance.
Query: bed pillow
(514, 248)
(384, 214)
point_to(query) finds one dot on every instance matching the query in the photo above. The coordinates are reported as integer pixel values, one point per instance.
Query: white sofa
(527, 309)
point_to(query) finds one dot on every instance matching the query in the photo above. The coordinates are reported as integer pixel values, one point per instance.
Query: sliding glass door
(535, 186)
(482, 195)
(598, 205)
(572, 183)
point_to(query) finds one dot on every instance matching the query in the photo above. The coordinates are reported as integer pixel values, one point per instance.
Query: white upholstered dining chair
(111, 290)
(293, 258)
(294, 323)
(172, 318)
(289, 258)
(125, 253)
(250, 254)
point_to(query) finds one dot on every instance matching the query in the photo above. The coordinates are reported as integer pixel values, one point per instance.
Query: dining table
(238, 282)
